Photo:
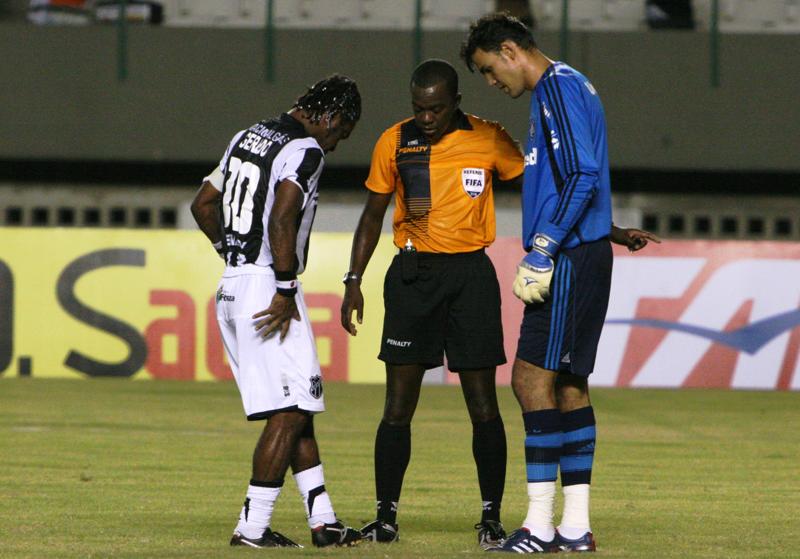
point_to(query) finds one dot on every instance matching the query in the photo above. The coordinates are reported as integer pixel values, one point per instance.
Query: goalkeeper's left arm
(576, 183)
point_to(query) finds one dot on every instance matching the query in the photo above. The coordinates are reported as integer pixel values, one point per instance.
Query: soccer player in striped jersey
(565, 278)
(266, 188)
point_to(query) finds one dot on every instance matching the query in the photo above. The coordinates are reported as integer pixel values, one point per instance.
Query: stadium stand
(321, 14)
(752, 16)
(591, 15)
(735, 16)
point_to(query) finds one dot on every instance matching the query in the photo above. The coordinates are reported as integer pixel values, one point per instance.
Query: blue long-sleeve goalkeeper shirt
(567, 190)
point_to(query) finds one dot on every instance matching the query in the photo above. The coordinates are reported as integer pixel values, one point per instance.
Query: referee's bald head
(434, 72)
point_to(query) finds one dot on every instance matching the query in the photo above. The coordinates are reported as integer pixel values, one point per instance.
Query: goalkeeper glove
(532, 284)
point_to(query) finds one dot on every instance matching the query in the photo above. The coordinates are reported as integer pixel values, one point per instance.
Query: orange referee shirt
(443, 192)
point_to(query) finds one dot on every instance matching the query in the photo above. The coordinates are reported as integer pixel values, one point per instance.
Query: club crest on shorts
(316, 387)
(472, 180)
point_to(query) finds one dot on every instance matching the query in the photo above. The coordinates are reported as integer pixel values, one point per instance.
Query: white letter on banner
(772, 286)
(635, 277)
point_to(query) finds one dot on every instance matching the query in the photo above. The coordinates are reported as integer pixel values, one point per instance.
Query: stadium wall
(140, 305)
(188, 90)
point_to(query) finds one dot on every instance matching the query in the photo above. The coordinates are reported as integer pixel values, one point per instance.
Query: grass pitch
(110, 468)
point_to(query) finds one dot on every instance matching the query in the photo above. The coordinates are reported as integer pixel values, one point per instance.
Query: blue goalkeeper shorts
(562, 333)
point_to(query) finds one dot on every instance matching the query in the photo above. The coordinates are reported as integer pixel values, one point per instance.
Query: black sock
(392, 454)
(489, 450)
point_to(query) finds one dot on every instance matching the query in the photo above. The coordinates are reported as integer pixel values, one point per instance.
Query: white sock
(575, 522)
(539, 521)
(319, 509)
(257, 511)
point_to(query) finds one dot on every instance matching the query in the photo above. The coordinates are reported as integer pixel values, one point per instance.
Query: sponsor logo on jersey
(554, 140)
(398, 343)
(316, 387)
(414, 149)
(232, 240)
(222, 296)
(473, 181)
(546, 111)
(566, 358)
(532, 157)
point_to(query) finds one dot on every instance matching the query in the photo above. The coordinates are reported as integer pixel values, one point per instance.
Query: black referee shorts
(562, 333)
(452, 308)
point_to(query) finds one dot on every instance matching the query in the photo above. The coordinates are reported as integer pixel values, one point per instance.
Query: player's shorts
(452, 308)
(562, 333)
(272, 376)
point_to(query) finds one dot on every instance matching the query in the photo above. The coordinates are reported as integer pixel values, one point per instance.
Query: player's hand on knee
(534, 273)
(277, 317)
(353, 301)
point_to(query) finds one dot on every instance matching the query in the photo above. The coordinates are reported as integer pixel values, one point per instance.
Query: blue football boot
(584, 543)
(522, 541)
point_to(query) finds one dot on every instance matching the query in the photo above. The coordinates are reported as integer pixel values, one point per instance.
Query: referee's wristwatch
(351, 276)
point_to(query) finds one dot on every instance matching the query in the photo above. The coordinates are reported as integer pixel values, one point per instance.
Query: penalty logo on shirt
(473, 181)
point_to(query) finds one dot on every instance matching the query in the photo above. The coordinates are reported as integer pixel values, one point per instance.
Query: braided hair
(334, 95)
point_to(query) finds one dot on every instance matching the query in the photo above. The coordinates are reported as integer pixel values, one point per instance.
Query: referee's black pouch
(409, 263)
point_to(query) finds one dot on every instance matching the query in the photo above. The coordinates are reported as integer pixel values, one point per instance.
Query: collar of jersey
(462, 123)
(292, 122)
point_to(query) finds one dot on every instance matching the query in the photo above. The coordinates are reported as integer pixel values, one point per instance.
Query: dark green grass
(110, 468)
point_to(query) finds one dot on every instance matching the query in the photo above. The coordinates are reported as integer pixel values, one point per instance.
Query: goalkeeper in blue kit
(565, 278)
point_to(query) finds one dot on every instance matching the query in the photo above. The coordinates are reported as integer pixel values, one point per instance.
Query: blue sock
(542, 444)
(577, 453)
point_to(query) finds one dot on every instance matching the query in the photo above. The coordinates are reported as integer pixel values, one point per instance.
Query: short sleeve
(303, 167)
(383, 167)
(215, 178)
(223, 163)
(509, 161)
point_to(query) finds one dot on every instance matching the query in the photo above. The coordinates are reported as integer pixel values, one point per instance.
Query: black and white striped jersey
(255, 163)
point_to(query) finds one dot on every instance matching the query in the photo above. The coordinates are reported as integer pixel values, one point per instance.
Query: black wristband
(286, 288)
(286, 283)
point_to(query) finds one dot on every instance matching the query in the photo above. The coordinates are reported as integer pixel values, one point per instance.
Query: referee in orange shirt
(441, 291)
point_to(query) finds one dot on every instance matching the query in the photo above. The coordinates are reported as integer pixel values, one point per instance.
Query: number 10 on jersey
(237, 201)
